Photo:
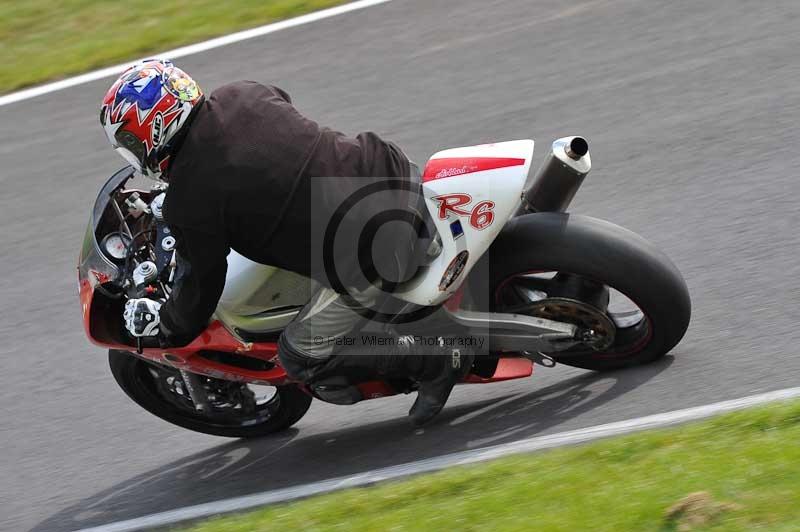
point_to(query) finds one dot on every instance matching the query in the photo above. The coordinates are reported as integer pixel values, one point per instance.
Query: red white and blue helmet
(144, 109)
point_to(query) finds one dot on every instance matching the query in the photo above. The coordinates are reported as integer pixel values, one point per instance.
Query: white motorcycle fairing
(259, 298)
(471, 193)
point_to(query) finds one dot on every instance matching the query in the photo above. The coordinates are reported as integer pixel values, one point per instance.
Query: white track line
(433, 464)
(191, 49)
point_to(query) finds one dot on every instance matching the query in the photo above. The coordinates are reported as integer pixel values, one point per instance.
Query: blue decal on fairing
(456, 229)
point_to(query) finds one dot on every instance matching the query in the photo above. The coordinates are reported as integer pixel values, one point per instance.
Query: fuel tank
(259, 298)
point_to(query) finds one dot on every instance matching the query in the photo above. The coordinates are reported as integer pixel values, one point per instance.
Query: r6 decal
(480, 216)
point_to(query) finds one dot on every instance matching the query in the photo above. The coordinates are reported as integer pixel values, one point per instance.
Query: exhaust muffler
(559, 177)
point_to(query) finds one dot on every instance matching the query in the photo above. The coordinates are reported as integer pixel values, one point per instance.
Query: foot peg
(540, 358)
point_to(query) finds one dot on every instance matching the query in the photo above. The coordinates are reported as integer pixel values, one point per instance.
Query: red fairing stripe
(455, 166)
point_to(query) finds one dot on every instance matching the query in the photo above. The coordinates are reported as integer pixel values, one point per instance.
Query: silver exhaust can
(558, 178)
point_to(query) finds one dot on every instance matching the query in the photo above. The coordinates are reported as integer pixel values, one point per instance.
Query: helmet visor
(130, 157)
(131, 148)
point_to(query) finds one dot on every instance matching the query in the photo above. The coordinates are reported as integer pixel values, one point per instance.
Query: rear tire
(135, 378)
(605, 253)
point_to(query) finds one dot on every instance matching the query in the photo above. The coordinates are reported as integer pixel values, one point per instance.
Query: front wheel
(607, 280)
(236, 410)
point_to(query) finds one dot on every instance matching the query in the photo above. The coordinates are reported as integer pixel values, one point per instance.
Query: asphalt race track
(691, 110)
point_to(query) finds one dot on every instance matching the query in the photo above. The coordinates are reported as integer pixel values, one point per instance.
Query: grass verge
(737, 472)
(42, 40)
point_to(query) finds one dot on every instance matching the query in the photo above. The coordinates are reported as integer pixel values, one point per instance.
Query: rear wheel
(235, 410)
(629, 301)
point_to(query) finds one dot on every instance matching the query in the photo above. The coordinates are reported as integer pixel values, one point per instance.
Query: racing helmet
(144, 109)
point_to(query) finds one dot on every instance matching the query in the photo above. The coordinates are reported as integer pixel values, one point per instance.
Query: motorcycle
(503, 263)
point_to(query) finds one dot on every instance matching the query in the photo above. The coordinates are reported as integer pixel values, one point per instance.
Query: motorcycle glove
(142, 317)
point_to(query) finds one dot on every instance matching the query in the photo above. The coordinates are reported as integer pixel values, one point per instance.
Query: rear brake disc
(595, 328)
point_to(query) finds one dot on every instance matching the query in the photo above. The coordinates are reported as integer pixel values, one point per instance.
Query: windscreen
(93, 265)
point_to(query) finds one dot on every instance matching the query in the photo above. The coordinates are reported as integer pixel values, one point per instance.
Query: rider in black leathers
(242, 171)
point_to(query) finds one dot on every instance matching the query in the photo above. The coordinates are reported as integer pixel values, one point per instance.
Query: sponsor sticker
(157, 131)
(453, 270)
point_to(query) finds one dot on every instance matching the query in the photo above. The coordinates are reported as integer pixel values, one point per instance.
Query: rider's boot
(438, 369)
(435, 387)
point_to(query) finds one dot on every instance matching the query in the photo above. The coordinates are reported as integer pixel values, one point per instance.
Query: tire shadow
(244, 467)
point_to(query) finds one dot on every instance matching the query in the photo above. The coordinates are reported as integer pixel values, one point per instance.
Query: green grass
(747, 462)
(42, 40)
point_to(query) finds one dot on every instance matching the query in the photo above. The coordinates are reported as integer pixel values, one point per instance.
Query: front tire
(600, 253)
(145, 384)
